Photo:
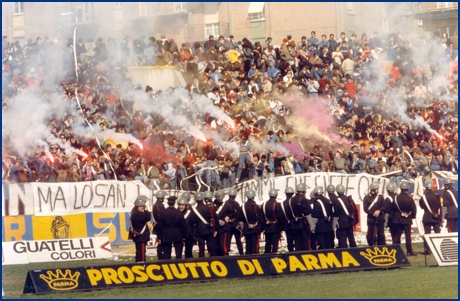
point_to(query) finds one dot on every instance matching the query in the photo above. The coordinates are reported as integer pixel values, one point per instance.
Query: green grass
(416, 281)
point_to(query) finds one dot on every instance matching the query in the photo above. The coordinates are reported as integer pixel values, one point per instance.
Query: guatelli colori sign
(23, 252)
(180, 271)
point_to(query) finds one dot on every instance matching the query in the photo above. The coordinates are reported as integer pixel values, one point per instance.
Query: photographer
(139, 231)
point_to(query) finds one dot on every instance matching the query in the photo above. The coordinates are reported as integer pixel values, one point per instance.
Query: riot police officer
(252, 223)
(157, 208)
(189, 241)
(285, 221)
(139, 217)
(322, 210)
(450, 201)
(222, 229)
(231, 217)
(374, 206)
(272, 214)
(330, 236)
(202, 220)
(171, 230)
(391, 187)
(346, 213)
(431, 204)
(404, 210)
(300, 209)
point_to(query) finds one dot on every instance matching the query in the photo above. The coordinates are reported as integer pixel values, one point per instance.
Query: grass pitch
(416, 281)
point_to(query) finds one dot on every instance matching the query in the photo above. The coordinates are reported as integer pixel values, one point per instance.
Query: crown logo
(61, 282)
(380, 257)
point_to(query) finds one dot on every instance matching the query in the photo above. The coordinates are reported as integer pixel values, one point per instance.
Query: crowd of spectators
(359, 82)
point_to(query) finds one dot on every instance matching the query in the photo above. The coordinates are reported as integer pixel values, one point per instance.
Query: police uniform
(300, 208)
(218, 206)
(172, 230)
(388, 212)
(404, 210)
(253, 224)
(233, 215)
(204, 230)
(223, 211)
(331, 235)
(345, 212)
(285, 224)
(189, 240)
(139, 221)
(431, 219)
(272, 213)
(322, 210)
(450, 200)
(372, 203)
(158, 207)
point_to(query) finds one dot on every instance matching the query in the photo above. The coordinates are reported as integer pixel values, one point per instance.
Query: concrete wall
(159, 78)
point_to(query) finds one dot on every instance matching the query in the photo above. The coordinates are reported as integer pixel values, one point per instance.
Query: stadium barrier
(213, 268)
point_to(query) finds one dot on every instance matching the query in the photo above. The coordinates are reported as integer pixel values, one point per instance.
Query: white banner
(52, 199)
(28, 251)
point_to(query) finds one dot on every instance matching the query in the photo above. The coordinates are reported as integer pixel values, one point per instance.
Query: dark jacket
(254, 222)
(435, 205)
(285, 221)
(172, 226)
(403, 205)
(138, 221)
(202, 229)
(232, 210)
(378, 205)
(324, 223)
(300, 208)
(452, 210)
(272, 215)
(345, 220)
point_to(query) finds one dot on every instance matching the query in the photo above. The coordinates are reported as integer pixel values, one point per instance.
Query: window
(117, 4)
(180, 6)
(142, 9)
(444, 4)
(88, 12)
(256, 11)
(18, 7)
(212, 29)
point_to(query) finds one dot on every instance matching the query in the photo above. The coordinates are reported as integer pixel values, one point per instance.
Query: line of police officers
(309, 223)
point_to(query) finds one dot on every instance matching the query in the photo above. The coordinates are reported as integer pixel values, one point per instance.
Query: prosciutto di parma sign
(214, 268)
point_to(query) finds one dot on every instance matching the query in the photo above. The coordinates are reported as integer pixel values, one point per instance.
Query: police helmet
(404, 185)
(219, 195)
(312, 193)
(289, 190)
(232, 192)
(198, 196)
(391, 187)
(207, 195)
(330, 188)
(182, 201)
(340, 188)
(250, 194)
(160, 194)
(429, 185)
(141, 200)
(319, 190)
(186, 195)
(447, 181)
(301, 187)
(374, 185)
(273, 193)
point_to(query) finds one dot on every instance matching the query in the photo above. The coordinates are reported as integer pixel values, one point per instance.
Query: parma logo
(379, 257)
(61, 281)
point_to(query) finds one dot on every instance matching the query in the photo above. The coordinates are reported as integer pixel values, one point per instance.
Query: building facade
(190, 21)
